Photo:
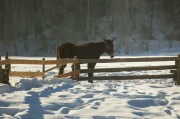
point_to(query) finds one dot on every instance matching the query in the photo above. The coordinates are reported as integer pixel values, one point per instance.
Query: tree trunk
(152, 16)
(126, 25)
(65, 10)
(16, 26)
(88, 30)
(5, 28)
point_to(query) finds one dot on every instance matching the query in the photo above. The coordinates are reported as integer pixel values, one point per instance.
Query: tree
(126, 26)
(16, 25)
(88, 15)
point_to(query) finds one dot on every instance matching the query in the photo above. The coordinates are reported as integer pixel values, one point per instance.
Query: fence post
(6, 71)
(76, 67)
(178, 70)
(175, 73)
(43, 68)
(7, 66)
(1, 80)
(4, 74)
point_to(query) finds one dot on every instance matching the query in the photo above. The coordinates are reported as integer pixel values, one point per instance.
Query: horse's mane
(86, 43)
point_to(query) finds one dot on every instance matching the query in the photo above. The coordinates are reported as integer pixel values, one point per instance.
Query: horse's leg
(61, 69)
(91, 66)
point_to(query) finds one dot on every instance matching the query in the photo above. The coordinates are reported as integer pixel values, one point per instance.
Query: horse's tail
(57, 57)
(63, 51)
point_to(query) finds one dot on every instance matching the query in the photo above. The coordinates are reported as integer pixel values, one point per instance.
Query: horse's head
(109, 47)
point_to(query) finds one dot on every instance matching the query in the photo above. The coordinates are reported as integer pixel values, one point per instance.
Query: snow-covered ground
(53, 98)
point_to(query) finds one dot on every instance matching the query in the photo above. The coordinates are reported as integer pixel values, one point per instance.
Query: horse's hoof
(90, 81)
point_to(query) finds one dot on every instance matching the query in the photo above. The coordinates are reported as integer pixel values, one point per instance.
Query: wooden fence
(174, 70)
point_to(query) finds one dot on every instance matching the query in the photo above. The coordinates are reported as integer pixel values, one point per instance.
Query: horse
(92, 50)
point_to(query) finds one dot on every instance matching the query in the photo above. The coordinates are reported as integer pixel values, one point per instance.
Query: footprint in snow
(96, 105)
(88, 96)
(64, 110)
(52, 107)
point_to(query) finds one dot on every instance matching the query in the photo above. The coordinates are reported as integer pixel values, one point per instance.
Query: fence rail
(26, 74)
(128, 69)
(4, 62)
(127, 77)
(140, 59)
(65, 61)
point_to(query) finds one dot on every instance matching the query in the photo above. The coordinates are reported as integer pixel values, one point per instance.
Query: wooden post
(6, 71)
(43, 68)
(178, 70)
(7, 66)
(76, 67)
(0, 65)
(1, 80)
(4, 74)
(175, 75)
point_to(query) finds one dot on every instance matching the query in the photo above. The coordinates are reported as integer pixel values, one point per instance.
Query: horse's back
(66, 45)
(86, 51)
(82, 51)
(63, 51)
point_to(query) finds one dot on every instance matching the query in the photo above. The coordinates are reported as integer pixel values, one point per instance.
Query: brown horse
(85, 51)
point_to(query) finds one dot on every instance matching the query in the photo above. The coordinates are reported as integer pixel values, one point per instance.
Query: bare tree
(6, 22)
(168, 8)
(126, 27)
(16, 25)
(88, 15)
(151, 17)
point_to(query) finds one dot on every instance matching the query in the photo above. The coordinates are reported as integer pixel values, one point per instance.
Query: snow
(53, 98)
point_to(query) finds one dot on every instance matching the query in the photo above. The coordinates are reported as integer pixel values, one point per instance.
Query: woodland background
(37, 27)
